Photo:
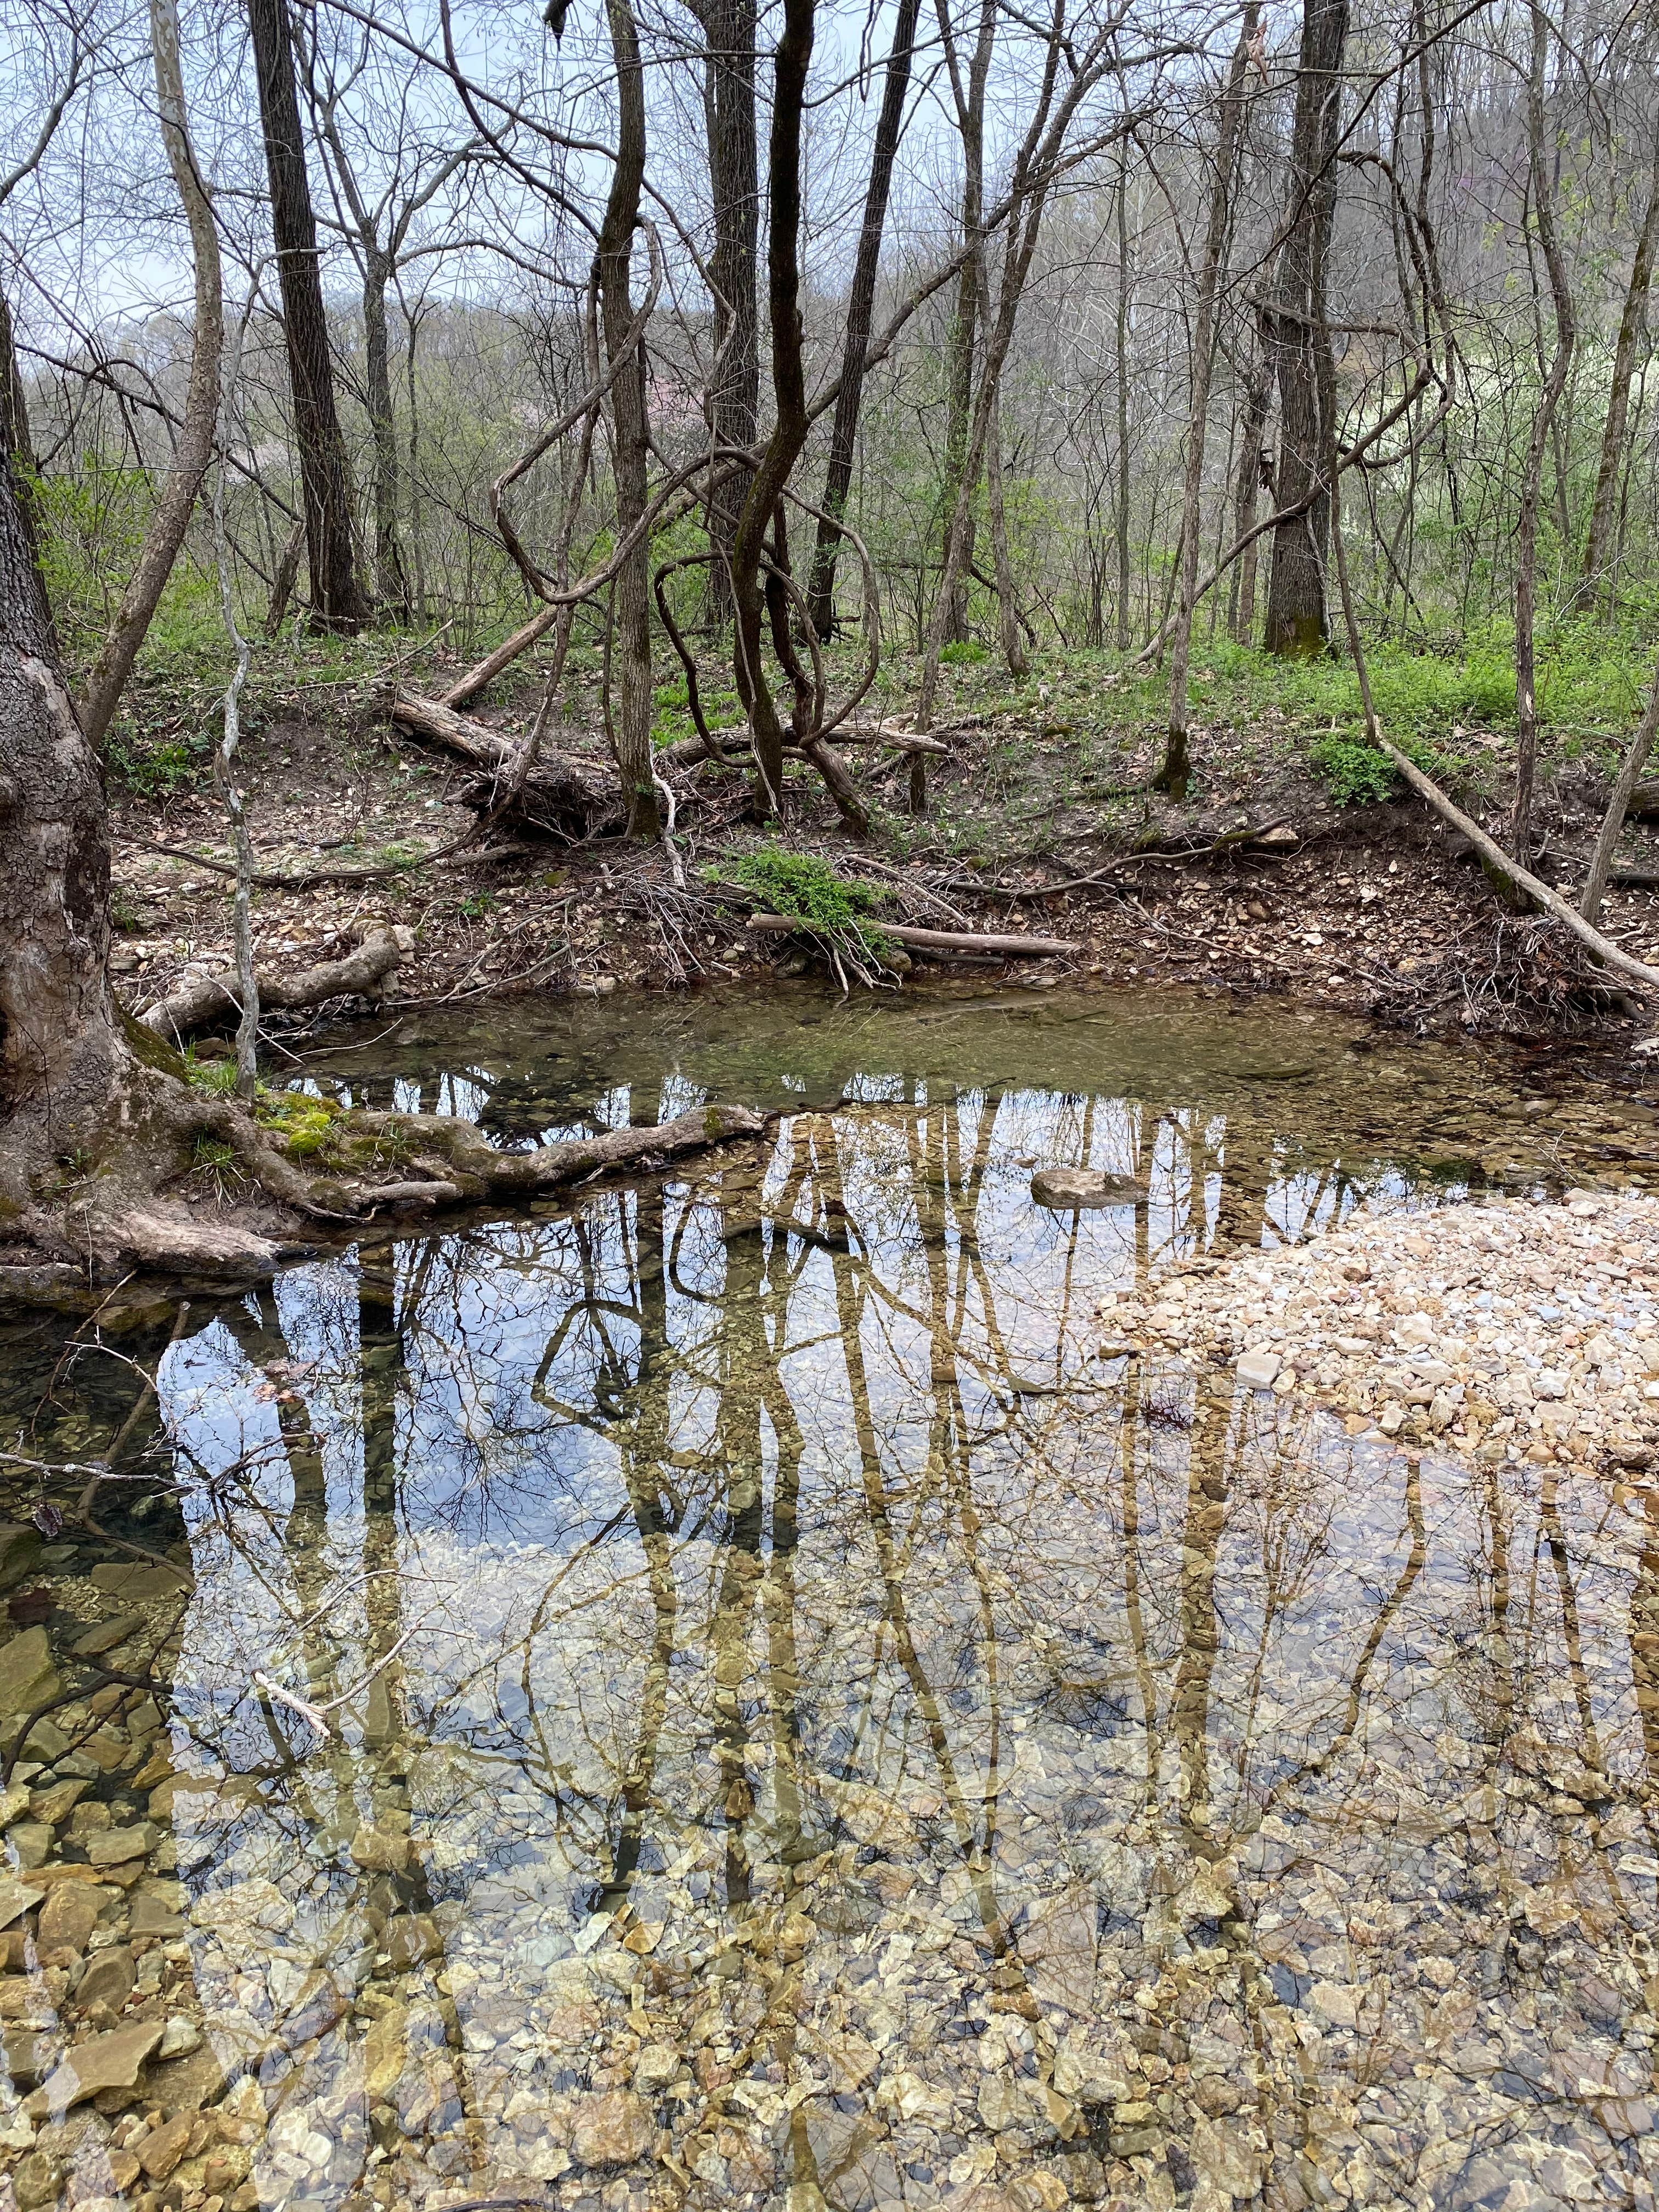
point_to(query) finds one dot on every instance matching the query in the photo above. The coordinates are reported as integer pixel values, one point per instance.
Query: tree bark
(860, 309)
(1549, 399)
(194, 447)
(337, 600)
(59, 1042)
(1173, 776)
(17, 447)
(969, 101)
(629, 437)
(1297, 620)
(390, 581)
(794, 57)
(1623, 789)
(733, 170)
(1598, 542)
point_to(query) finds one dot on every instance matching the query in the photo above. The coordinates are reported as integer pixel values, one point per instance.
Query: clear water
(804, 1725)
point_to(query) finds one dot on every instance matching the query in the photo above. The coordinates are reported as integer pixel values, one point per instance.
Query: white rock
(1257, 1370)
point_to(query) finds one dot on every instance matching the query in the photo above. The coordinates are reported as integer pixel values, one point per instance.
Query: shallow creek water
(795, 1716)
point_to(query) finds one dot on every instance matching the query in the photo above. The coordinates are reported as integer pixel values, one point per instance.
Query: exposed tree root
(127, 1211)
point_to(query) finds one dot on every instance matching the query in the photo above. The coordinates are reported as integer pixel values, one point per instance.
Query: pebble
(1435, 1326)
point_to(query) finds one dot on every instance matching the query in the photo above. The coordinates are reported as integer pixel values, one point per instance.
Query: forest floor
(1346, 895)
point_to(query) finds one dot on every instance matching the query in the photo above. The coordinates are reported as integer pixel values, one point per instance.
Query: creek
(732, 1690)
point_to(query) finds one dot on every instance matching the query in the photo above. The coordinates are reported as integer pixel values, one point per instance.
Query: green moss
(308, 1123)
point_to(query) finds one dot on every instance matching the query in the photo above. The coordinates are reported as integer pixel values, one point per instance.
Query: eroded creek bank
(817, 1681)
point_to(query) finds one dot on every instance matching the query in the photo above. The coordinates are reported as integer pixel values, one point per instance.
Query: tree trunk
(194, 447)
(1173, 776)
(1598, 544)
(793, 58)
(59, 1042)
(1013, 651)
(335, 599)
(1240, 606)
(1526, 528)
(964, 327)
(1297, 621)
(733, 167)
(17, 447)
(1624, 790)
(389, 580)
(1120, 339)
(632, 721)
(860, 307)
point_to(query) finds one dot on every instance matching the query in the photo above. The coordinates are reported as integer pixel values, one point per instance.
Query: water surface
(796, 1715)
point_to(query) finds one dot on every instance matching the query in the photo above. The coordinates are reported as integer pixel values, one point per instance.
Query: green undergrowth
(807, 891)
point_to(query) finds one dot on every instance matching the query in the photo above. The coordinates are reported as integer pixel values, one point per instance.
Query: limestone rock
(108, 1979)
(107, 1635)
(69, 1917)
(16, 1900)
(27, 1681)
(1258, 1370)
(182, 2037)
(385, 2053)
(162, 2149)
(19, 1552)
(612, 2128)
(102, 2062)
(379, 1851)
(115, 1846)
(138, 1584)
(1064, 1188)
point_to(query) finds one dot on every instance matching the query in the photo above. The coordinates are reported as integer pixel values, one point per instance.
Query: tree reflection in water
(804, 1720)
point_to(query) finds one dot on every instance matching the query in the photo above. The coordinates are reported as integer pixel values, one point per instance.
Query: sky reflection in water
(802, 1719)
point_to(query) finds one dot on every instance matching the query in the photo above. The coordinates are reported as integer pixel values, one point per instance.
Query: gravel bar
(1509, 1330)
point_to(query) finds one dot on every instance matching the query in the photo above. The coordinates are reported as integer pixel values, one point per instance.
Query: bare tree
(1541, 192)
(336, 601)
(1173, 775)
(1297, 621)
(194, 449)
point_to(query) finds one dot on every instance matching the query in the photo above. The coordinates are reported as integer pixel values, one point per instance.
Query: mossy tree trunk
(60, 1043)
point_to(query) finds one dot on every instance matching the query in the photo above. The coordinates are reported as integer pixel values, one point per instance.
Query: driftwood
(1548, 900)
(935, 940)
(361, 975)
(560, 794)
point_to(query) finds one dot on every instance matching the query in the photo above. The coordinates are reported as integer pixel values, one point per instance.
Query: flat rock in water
(107, 1635)
(186, 2084)
(102, 2062)
(115, 1846)
(27, 1681)
(1065, 1188)
(140, 1585)
(16, 1900)
(613, 2128)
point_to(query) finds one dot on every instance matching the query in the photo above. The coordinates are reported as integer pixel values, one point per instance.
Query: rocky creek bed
(1515, 1328)
(829, 1684)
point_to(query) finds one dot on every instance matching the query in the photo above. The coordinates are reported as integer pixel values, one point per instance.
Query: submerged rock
(1064, 1189)
(102, 2062)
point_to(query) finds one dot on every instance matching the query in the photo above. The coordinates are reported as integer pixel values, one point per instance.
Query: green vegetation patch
(807, 891)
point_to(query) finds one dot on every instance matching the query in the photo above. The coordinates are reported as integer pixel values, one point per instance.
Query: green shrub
(963, 653)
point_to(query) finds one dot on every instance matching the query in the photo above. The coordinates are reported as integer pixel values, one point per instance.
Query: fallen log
(935, 940)
(212, 999)
(559, 794)
(1549, 901)
(734, 744)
